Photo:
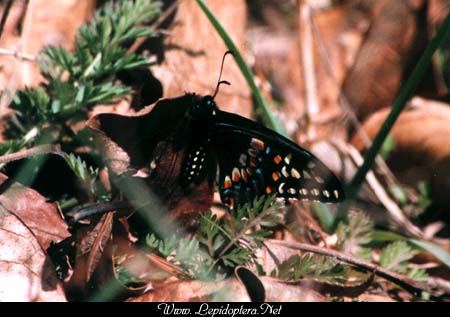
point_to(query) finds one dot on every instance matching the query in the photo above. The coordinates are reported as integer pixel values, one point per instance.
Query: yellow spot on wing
(295, 173)
(284, 172)
(287, 159)
(243, 159)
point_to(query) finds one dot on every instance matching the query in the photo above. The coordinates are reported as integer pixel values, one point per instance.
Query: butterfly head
(203, 108)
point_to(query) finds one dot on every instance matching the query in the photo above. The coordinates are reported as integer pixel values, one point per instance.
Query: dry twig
(414, 287)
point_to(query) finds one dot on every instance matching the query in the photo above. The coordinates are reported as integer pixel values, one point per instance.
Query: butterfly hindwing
(254, 161)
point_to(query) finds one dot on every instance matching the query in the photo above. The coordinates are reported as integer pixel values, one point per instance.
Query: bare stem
(39, 149)
(413, 287)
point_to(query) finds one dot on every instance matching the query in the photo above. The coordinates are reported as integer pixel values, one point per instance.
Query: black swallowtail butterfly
(253, 160)
(189, 137)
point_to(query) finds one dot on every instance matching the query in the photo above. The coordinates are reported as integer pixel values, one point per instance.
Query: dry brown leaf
(194, 51)
(34, 25)
(25, 272)
(378, 298)
(28, 224)
(340, 30)
(396, 37)
(278, 291)
(40, 217)
(422, 150)
(230, 290)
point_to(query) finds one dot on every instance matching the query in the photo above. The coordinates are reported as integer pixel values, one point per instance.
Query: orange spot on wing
(235, 175)
(244, 175)
(227, 182)
(257, 144)
(252, 152)
(275, 176)
(268, 190)
(277, 159)
(253, 162)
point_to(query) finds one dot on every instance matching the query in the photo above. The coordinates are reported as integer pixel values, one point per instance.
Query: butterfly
(192, 145)
(252, 159)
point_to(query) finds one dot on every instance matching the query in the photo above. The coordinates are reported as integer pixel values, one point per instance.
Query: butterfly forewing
(255, 161)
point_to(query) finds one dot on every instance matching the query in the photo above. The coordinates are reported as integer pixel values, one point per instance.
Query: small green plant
(395, 257)
(355, 234)
(76, 81)
(308, 265)
(221, 245)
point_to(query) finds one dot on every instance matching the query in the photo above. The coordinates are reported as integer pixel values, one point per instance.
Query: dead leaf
(194, 50)
(378, 298)
(25, 272)
(392, 45)
(279, 291)
(28, 224)
(230, 290)
(99, 237)
(422, 150)
(41, 218)
(34, 25)
(340, 32)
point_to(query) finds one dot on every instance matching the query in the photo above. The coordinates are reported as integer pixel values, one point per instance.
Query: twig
(345, 103)
(394, 210)
(16, 54)
(39, 149)
(307, 60)
(171, 9)
(411, 286)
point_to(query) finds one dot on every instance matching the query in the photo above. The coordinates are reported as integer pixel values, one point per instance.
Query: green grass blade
(325, 216)
(441, 254)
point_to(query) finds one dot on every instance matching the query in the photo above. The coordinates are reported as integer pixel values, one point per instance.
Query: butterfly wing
(255, 161)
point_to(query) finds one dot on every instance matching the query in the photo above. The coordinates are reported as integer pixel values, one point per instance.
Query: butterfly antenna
(220, 82)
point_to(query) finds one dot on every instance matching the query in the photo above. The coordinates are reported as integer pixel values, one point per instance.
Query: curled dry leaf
(422, 150)
(391, 47)
(28, 224)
